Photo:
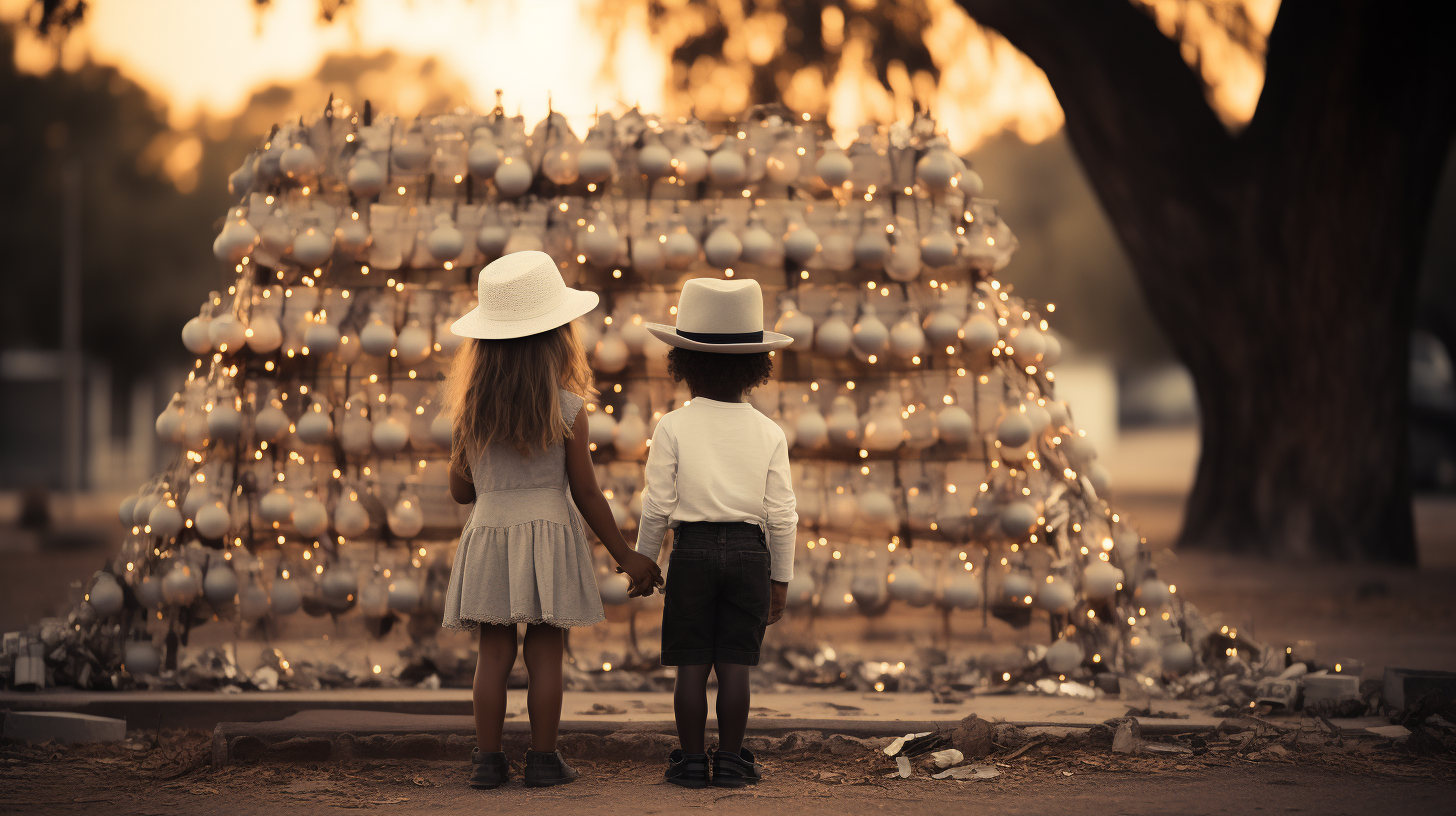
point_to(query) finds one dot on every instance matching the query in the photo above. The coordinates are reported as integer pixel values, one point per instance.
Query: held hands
(642, 572)
(778, 598)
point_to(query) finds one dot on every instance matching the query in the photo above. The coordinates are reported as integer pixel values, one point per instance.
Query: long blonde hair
(509, 392)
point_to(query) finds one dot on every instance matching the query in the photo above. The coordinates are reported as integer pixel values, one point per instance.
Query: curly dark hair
(711, 372)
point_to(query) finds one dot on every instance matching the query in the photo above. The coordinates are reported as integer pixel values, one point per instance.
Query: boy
(718, 474)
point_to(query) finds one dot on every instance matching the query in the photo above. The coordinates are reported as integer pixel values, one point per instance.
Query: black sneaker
(732, 770)
(687, 770)
(490, 769)
(547, 768)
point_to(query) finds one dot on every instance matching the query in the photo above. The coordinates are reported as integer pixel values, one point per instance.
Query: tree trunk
(1280, 262)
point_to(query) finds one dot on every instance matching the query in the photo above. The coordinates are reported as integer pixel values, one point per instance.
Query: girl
(718, 473)
(517, 390)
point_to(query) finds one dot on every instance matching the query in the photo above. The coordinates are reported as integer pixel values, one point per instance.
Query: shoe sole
(695, 784)
(485, 787)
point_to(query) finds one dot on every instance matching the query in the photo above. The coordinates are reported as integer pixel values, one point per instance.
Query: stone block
(62, 726)
(1330, 688)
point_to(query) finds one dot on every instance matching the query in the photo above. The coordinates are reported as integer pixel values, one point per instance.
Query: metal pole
(71, 383)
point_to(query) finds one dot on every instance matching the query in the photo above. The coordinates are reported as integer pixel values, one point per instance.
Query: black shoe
(490, 769)
(687, 770)
(732, 770)
(547, 768)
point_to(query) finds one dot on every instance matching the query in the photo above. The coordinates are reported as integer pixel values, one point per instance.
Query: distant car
(1433, 414)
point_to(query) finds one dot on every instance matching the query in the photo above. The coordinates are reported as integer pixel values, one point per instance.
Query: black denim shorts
(717, 594)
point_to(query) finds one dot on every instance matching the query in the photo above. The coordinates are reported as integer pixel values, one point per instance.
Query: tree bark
(1281, 262)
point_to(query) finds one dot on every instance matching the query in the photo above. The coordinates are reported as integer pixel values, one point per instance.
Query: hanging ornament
(414, 343)
(727, 167)
(953, 425)
(907, 339)
(1056, 596)
(800, 591)
(252, 603)
(339, 586)
(595, 162)
(810, 428)
(312, 247)
(241, 179)
(759, 245)
(783, 163)
(445, 242)
(942, 327)
(169, 423)
(377, 337)
(404, 594)
(1052, 352)
(979, 334)
(836, 250)
(406, 518)
(1016, 587)
(884, 429)
(795, 324)
(903, 262)
(220, 584)
(284, 597)
(800, 242)
(356, 432)
(315, 426)
(691, 164)
(837, 598)
(611, 352)
(908, 584)
(350, 347)
(1177, 657)
(491, 240)
(971, 183)
(1100, 580)
(365, 178)
(411, 153)
(1039, 418)
(960, 588)
(310, 517)
(264, 335)
(126, 510)
(1101, 480)
(1017, 519)
(181, 586)
(1027, 345)
(560, 163)
(599, 241)
(1014, 430)
(390, 433)
(237, 239)
(877, 510)
(834, 336)
(630, 435)
(226, 333)
(869, 588)
(842, 509)
(833, 167)
(321, 336)
(484, 156)
(843, 422)
(936, 169)
(275, 506)
(212, 521)
(601, 427)
(938, 247)
(350, 517)
(870, 334)
(722, 248)
(299, 162)
(442, 430)
(654, 160)
(194, 332)
(513, 176)
(165, 519)
(149, 592)
(374, 597)
(1063, 657)
(681, 248)
(140, 657)
(872, 246)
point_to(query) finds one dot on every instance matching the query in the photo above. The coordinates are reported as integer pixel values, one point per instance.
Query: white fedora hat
(724, 316)
(522, 294)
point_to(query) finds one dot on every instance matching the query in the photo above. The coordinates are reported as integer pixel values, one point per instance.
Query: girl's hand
(778, 599)
(643, 574)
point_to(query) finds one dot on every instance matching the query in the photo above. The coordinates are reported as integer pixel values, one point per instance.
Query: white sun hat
(724, 316)
(522, 294)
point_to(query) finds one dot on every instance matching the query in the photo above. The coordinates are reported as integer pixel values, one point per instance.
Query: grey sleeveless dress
(523, 556)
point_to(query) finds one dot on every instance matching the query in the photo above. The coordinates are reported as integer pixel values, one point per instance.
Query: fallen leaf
(969, 772)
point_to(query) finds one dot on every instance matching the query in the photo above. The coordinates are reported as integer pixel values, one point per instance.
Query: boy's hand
(642, 572)
(778, 598)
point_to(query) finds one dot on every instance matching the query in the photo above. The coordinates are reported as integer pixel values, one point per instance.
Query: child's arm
(659, 493)
(642, 571)
(462, 489)
(783, 522)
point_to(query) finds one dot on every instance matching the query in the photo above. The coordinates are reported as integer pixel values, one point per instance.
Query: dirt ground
(1238, 773)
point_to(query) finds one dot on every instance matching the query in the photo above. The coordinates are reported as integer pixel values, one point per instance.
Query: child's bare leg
(497, 655)
(543, 698)
(732, 705)
(690, 706)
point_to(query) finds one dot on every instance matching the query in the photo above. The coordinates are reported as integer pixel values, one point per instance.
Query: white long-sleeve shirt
(720, 461)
